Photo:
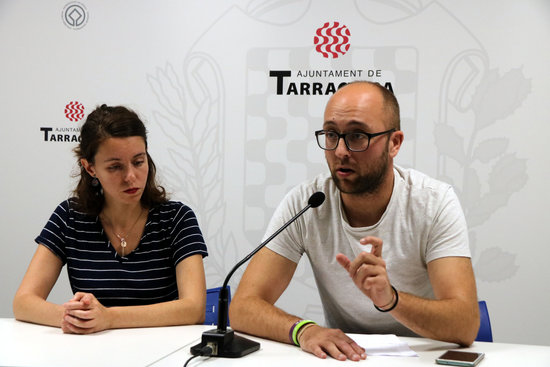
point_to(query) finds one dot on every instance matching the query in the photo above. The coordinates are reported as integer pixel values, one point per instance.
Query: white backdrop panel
(472, 79)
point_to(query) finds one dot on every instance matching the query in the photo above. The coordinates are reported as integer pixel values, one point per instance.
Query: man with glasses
(388, 247)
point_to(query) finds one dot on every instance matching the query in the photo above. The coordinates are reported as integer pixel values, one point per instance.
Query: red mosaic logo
(332, 39)
(74, 111)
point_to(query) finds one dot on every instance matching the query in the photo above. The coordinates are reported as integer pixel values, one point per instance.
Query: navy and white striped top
(145, 276)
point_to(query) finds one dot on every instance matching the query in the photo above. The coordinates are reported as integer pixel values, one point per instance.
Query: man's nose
(341, 149)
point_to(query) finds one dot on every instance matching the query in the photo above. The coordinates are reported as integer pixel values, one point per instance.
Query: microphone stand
(225, 343)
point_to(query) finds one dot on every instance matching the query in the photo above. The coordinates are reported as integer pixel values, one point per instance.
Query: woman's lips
(132, 190)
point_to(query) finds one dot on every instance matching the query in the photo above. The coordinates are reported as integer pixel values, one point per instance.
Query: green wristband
(297, 328)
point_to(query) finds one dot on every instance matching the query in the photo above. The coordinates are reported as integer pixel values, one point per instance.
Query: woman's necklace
(121, 236)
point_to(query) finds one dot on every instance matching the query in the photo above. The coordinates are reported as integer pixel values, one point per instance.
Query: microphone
(223, 342)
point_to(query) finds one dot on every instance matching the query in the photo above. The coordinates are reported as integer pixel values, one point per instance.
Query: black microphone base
(225, 344)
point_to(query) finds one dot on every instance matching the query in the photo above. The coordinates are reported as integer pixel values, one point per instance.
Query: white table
(285, 355)
(24, 344)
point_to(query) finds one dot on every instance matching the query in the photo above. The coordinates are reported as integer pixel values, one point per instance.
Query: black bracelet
(393, 306)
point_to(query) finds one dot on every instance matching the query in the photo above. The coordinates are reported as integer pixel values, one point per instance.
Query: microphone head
(316, 199)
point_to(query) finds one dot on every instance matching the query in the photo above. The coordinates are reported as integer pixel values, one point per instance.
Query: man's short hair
(391, 106)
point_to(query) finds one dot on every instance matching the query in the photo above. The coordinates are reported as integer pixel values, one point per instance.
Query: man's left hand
(368, 272)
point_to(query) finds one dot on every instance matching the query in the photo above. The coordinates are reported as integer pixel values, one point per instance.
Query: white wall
(472, 78)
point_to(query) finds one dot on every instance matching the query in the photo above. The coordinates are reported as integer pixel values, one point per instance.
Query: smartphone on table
(460, 358)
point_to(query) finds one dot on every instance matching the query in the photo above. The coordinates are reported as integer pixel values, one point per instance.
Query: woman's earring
(95, 182)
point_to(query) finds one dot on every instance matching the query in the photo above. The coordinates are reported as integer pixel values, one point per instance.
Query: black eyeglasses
(355, 141)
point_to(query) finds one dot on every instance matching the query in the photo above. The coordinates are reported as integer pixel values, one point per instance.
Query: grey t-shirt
(423, 222)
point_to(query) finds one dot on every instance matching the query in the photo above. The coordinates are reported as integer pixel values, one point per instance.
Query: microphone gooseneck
(314, 201)
(224, 343)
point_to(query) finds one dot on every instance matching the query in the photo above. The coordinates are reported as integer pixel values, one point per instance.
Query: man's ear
(396, 140)
(88, 166)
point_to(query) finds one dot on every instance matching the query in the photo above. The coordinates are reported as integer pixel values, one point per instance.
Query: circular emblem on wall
(75, 15)
(332, 40)
(74, 111)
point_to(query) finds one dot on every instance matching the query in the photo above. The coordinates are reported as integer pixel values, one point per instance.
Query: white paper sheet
(383, 345)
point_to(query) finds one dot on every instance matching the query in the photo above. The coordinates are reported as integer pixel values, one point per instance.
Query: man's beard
(368, 183)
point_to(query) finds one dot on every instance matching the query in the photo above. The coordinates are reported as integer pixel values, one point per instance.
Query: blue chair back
(212, 296)
(484, 334)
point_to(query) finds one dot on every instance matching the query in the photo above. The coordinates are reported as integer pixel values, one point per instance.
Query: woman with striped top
(133, 257)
